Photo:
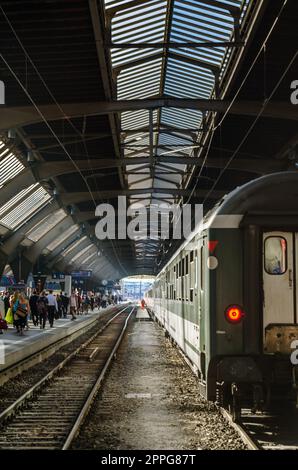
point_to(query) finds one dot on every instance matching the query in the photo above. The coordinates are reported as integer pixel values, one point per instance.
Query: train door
(279, 279)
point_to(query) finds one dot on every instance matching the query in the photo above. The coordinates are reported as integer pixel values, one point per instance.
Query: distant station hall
(148, 227)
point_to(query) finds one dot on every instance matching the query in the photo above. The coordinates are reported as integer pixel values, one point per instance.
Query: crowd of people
(17, 308)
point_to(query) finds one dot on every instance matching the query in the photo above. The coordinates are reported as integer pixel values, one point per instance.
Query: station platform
(142, 314)
(16, 348)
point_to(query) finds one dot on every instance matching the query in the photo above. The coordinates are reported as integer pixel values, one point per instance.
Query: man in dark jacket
(65, 302)
(33, 307)
(42, 308)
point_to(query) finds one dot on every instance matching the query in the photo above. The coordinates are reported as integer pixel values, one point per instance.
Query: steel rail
(86, 408)
(9, 411)
(45, 352)
(240, 429)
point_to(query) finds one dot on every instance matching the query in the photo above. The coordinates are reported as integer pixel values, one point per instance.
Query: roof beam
(50, 169)
(46, 170)
(164, 129)
(13, 117)
(173, 44)
(77, 197)
(77, 139)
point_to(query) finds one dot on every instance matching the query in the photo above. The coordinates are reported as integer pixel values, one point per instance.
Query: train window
(186, 265)
(275, 252)
(191, 295)
(191, 257)
(183, 270)
(180, 264)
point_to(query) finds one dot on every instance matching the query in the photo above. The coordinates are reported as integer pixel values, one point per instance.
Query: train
(228, 297)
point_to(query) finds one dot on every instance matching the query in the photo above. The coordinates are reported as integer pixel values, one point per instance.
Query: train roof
(269, 194)
(274, 193)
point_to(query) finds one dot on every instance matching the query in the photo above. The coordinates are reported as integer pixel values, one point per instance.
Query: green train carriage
(228, 296)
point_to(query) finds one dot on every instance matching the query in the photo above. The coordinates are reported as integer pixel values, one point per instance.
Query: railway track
(46, 352)
(49, 415)
(276, 430)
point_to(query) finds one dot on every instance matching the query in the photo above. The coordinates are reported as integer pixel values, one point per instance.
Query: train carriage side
(250, 355)
(230, 299)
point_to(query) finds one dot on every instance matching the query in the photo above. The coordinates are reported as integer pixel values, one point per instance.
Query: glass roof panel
(28, 206)
(18, 197)
(61, 238)
(10, 166)
(81, 253)
(73, 246)
(46, 225)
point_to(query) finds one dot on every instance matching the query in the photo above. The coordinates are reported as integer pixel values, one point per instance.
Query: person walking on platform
(104, 301)
(92, 302)
(33, 306)
(6, 301)
(79, 303)
(73, 302)
(42, 308)
(3, 324)
(14, 302)
(59, 303)
(65, 302)
(21, 309)
(52, 307)
(85, 304)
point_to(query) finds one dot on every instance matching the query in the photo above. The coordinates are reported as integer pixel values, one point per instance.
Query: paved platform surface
(142, 314)
(14, 348)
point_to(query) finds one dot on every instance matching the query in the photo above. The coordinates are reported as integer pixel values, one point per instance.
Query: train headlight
(234, 313)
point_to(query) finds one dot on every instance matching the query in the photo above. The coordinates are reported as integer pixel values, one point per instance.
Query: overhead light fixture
(11, 134)
(30, 156)
(55, 192)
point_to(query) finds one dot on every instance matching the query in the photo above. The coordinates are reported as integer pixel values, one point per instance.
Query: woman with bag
(14, 302)
(20, 309)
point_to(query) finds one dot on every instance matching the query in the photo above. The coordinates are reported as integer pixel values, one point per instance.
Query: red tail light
(234, 313)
